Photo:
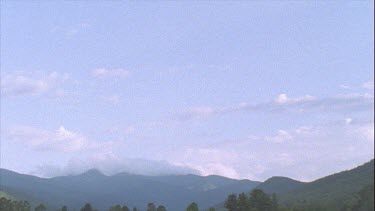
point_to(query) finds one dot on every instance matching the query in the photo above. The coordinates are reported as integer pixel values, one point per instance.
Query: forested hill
(174, 191)
(335, 189)
(348, 190)
(351, 190)
(280, 185)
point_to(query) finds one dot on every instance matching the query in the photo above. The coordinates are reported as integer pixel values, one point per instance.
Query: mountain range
(175, 192)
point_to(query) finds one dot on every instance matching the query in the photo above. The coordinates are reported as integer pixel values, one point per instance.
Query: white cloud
(281, 137)
(23, 85)
(284, 99)
(366, 131)
(344, 87)
(61, 139)
(348, 120)
(104, 72)
(208, 161)
(33, 83)
(307, 103)
(315, 151)
(199, 112)
(112, 99)
(368, 85)
(110, 164)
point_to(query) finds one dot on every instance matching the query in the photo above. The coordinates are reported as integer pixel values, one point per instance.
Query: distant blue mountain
(174, 191)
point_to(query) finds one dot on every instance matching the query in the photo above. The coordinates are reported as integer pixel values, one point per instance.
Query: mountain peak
(93, 172)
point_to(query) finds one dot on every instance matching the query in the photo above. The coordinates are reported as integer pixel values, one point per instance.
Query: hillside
(280, 185)
(347, 190)
(333, 189)
(175, 192)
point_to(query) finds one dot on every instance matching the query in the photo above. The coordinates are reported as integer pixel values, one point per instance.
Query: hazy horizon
(245, 90)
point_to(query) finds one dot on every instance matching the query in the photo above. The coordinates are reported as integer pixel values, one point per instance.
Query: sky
(242, 89)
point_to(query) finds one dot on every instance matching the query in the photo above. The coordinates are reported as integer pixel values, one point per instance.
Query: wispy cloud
(368, 85)
(33, 83)
(111, 99)
(39, 139)
(296, 153)
(111, 164)
(59, 140)
(70, 31)
(105, 72)
(348, 102)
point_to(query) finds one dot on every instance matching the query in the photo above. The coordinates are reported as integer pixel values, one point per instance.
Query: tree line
(256, 200)
(14, 205)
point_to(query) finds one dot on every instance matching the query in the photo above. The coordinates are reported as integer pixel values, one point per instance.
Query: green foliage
(243, 202)
(64, 208)
(231, 202)
(151, 207)
(260, 201)
(87, 207)
(40, 207)
(192, 207)
(125, 208)
(211, 209)
(257, 200)
(340, 191)
(10, 205)
(161, 208)
(115, 208)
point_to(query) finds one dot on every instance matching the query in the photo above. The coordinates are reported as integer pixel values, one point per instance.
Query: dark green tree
(40, 207)
(125, 208)
(151, 207)
(260, 201)
(135, 209)
(211, 209)
(87, 207)
(64, 208)
(192, 207)
(161, 208)
(243, 202)
(231, 203)
(274, 202)
(115, 208)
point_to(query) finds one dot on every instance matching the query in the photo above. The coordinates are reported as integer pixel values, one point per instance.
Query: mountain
(334, 189)
(347, 190)
(279, 185)
(173, 191)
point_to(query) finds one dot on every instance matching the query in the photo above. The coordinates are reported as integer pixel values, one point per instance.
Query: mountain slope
(279, 185)
(347, 190)
(175, 192)
(334, 188)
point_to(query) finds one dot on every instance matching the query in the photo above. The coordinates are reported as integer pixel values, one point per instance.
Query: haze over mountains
(176, 191)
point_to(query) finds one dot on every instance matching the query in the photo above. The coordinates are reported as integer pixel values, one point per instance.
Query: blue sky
(239, 89)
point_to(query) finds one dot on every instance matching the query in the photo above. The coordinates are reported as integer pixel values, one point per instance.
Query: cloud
(208, 161)
(111, 164)
(14, 84)
(61, 139)
(345, 87)
(116, 73)
(307, 103)
(281, 137)
(70, 31)
(112, 99)
(306, 152)
(366, 131)
(368, 85)
(33, 83)
(283, 99)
